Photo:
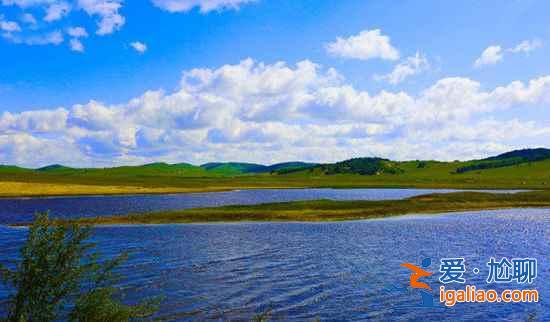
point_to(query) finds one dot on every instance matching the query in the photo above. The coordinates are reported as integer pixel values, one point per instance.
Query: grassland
(25, 189)
(432, 174)
(520, 169)
(326, 210)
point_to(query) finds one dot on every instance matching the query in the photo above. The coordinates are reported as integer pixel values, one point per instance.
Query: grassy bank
(326, 210)
(165, 178)
(24, 189)
(437, 176)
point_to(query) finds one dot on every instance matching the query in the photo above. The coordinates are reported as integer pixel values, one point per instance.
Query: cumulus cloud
(367, 44)
(490, 56)
(203, 5)
(139, 46)
(40, 121)
(107, 11)
(259, 112)
(411, 66)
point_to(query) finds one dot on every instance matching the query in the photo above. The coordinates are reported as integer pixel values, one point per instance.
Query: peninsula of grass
(327, 210)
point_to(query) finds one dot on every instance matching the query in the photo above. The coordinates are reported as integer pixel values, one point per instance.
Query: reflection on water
(332, 271)
(20, 210)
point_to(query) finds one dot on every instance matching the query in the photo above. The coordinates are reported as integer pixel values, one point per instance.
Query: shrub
(59, 278)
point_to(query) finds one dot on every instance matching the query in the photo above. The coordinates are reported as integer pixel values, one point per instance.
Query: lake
(20, 210)
(332, 271)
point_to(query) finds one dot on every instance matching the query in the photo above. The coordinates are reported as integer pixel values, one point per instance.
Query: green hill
(159, 169)
(360, 166)
(236, 168)
(54, 168)
(232, 168)
(507, 159)
(13, 169)
(527, 169)
(289, 166)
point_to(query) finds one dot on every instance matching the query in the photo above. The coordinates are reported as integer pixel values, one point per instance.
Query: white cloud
(411, 66)
(28, 19)
(367, 44)
(139, 46)
(526, 46)
(77, 32)
(108, 12)
(57, 11)
(495, 54)
(259, 112)
(8, 26)
(50, 38)
(34, 121)
(490, 56)
(76, 45)
(203, 5)
(27, 3)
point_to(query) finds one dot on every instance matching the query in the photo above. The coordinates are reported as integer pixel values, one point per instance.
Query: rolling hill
(235, 168)
(507, 159)
(359, 166)
(525, 169)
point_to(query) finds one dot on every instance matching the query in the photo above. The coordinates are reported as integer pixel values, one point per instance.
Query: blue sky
(90, 83)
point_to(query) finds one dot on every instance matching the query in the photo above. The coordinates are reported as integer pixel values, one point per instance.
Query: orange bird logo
(416, 275)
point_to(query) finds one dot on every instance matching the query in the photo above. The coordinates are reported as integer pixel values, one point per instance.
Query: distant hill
(233, 168)
(236, 168)
(289, 166)
(12, 169)
(507, 159)
(156, 169)
(54, 167)
(525, 154)
(361, 166)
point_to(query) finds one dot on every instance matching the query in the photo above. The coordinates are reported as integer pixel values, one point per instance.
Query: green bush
(59, 278)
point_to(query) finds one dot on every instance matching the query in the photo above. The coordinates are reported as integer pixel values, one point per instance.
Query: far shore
(328, 210)
(14, 189)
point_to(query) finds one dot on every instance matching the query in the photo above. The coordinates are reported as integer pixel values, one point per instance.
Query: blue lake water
(332, 271)
(17, 210)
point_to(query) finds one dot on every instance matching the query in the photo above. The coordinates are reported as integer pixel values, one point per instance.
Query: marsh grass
(328, 210)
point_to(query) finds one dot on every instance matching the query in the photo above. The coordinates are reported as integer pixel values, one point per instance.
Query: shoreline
(331, 211)
(82, 190)
(389, 217)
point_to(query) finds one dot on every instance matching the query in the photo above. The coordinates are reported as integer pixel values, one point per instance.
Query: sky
(110, 82)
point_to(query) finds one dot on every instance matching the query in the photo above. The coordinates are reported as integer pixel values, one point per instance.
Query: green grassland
(524, 169)
(327, 210)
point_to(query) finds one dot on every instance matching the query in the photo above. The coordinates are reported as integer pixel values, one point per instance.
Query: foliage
(362, 166)
(59, 278)
(235, 168)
